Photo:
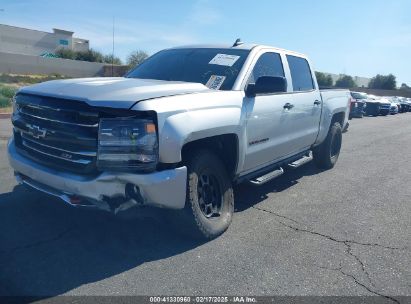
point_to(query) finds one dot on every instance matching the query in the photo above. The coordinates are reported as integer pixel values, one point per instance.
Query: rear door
(303, 120)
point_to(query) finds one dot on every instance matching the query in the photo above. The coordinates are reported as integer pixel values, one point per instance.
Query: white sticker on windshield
(215, 82)
(224, 59)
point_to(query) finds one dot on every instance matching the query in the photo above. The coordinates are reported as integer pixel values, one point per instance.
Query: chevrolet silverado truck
(177, 132)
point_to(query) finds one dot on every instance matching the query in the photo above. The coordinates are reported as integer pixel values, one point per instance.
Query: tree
(324, 80)
(405, 87)
(345, 81)
(136, 57)
(112, 59)
(383, 82)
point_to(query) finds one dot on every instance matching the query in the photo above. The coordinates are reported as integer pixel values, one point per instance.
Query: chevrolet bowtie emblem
(36, 131)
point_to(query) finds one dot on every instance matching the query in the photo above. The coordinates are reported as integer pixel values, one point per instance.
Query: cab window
(300, 73)
(269, 64)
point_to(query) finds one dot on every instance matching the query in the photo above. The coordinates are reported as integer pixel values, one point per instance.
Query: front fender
(181, 128)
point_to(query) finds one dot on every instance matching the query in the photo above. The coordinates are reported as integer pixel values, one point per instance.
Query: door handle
(288, 106)
(317, 102)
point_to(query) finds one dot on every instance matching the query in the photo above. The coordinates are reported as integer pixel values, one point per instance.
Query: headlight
(127, 144)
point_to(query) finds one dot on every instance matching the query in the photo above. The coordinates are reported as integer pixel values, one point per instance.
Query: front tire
(209, 206)
(326, 154)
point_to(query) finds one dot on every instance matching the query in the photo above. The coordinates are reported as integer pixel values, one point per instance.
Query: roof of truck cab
(244, 46)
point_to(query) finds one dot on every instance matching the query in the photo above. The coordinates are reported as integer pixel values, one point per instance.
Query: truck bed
(334, 101)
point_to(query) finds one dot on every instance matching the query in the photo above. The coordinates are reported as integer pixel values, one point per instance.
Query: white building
(362, 82)
(19, 40)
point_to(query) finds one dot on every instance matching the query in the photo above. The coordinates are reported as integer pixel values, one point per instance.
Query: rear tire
(209, 206)
(326, 154)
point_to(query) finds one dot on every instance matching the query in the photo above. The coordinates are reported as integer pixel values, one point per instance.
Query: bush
(6, 78)
(66, 53)
(7, 92)
(5, 102)
(90, 55)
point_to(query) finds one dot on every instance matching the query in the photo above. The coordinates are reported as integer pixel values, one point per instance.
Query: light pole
(112, 54)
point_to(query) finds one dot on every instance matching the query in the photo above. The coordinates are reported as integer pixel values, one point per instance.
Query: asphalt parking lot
(340, 232)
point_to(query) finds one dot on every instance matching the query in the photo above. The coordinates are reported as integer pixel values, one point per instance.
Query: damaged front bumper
(110, 191)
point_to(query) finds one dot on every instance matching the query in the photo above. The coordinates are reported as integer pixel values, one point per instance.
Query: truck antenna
(237, 42)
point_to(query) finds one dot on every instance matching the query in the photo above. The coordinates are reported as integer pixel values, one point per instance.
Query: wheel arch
(338, 117)
(225, 146)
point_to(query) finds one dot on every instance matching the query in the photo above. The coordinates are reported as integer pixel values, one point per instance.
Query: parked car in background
(405, 106)
(376, 106)
(397, 101)
(384, 106)
(394, 109)
(358, 101)
(371, 108)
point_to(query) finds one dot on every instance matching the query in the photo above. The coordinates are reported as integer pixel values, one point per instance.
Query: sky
(359, 38)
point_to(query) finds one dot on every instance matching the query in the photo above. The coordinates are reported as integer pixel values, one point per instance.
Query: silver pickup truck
(177, 131)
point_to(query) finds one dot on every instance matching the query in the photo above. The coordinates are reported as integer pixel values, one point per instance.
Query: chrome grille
(56, 132)
(37, 112)
(71, 156)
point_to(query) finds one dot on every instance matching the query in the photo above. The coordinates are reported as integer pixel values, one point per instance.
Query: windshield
(216, 68)
(358, 95)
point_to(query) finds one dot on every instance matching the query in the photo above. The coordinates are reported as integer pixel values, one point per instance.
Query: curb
(5, 115)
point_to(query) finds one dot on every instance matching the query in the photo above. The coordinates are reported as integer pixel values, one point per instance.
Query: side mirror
(267, 85)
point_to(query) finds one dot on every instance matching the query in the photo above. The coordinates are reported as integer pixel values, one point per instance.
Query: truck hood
(114, 92)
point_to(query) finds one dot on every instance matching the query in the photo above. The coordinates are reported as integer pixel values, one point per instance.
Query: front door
(267, 119)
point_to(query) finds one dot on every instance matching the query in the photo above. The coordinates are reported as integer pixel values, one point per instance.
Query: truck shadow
(47, 248)
(248, 195)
